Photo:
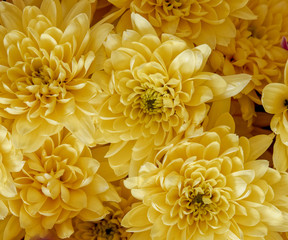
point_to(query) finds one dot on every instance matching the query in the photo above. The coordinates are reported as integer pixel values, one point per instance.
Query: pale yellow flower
(200, 21)
(256, 50)
(153, 90)
(275, 101)
(209, 187)
(47, 56)
(58, 182)
(110, 227)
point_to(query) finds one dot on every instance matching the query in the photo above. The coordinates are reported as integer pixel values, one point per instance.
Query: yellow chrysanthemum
(153, 89)
(110, 227)
(46, 58)
(200, 21)
(209, 187)
(256, 50)
(58, 182)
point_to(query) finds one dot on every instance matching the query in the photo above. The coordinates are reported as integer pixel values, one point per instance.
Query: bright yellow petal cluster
(153, 89)
(58, 182)
(46, 59)
(209, 187)
(256, 50)
(109, 227)
(200, 21)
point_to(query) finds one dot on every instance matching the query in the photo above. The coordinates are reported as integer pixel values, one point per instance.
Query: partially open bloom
(153, 89)
(256, 50)
(200, 21)
(58, 182)
(46, 59)
(209, 187)
(275, 101)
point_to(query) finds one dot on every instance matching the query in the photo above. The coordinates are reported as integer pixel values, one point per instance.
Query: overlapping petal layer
(46, 59)
(153, 89)
(209, 187)
(58, 182)
(200, 21)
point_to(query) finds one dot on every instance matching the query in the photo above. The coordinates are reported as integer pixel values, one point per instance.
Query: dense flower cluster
(143, 120)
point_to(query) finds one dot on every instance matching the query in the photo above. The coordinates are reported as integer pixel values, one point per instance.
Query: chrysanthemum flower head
(200, 21)
(58, 182)
(256, 50)
(47, 56)
(110, 227)
(209, 187)
(153, 89)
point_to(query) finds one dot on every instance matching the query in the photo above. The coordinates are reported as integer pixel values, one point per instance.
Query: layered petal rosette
(58, 182)
(200, 21)
(47, 56)
(153, 90)
(209, 187)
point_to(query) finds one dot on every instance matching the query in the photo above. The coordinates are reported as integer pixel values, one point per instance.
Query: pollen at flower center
(41, 75)
(108, 228)
(198, 202)
(151, 101)
(172, 4)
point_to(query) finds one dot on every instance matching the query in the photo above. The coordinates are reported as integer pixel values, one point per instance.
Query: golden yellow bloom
(46, 59)
(256, 50)
(110, 227)
(153, 89)
(58, 182)
(201, 21)
(209, 187)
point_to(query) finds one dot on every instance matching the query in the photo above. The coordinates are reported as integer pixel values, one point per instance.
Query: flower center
(170, 4)
(41, 75)
(105, 229)
(151, 101)
(108, 228)
(197, 201)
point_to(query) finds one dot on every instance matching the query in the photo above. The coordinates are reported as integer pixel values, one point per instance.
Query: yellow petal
(132, 219)
(259, 144)
(65, 229)
(274, 96)
(11, 16)
(280, 153)
(236, 83)
(141, 25)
